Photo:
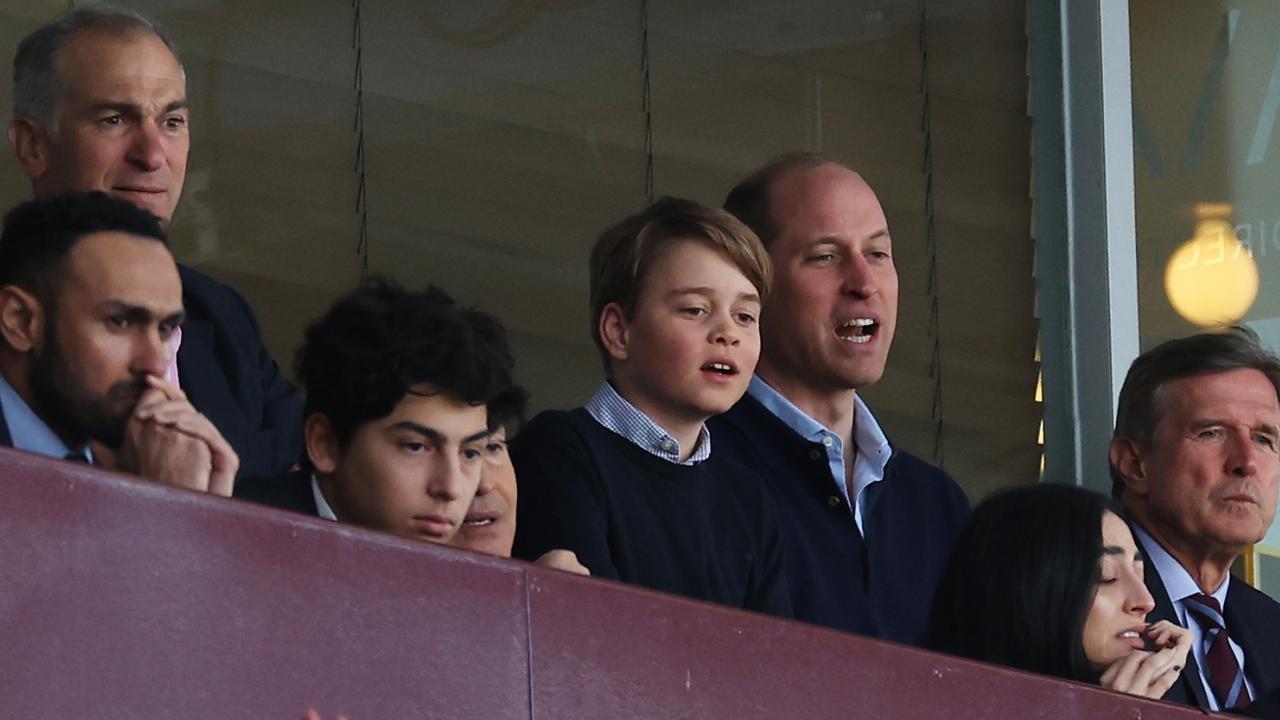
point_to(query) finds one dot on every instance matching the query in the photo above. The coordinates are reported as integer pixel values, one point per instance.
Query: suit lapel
(1259, 665)
(201, 379)
(1189, 690)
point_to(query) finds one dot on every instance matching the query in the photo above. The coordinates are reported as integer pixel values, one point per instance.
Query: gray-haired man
(100, 103)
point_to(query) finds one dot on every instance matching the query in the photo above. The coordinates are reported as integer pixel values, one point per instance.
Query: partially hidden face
(692, 340)
(117, 304)
(830, 317)
(121, 122)
(1211, 472)
(412, 473)
(490, 524)
(1117, 620)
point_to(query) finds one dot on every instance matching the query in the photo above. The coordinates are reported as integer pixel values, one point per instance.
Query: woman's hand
(1151, 673)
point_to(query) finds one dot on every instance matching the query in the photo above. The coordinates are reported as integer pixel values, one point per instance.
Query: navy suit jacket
(1253, 620)
(883, 586)
(230, 377)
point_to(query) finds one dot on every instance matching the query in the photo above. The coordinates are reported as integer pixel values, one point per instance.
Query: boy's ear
(31, 144)
(322, 443)
(22, 320)
(614, 332)
(1127, 458)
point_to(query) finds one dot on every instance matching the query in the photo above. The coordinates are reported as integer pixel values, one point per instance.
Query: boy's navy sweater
(705, 531)
(883, 586)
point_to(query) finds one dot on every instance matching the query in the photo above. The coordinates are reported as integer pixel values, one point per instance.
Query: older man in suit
(1195, 463)
(100, 104)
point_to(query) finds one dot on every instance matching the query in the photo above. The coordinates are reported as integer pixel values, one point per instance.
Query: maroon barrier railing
(121, 599)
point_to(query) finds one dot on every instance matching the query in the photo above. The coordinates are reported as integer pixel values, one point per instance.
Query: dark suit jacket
(230, 377)
(882, 587)
(1253, 620)
(290, 491)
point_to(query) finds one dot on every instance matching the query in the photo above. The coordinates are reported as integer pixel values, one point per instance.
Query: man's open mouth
(858, 330)
(480, 520)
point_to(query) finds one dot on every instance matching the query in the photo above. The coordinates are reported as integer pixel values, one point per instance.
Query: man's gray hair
(37, 83)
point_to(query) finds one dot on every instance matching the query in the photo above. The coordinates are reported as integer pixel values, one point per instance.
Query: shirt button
(826, 440)
(834, 501)
(815, 455)
(668, 446)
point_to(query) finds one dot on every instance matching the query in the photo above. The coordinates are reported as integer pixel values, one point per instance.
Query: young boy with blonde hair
(629, 482)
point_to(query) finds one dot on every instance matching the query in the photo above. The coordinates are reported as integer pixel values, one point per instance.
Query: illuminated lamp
(1212, 279)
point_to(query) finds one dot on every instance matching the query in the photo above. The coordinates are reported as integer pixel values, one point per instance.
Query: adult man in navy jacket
(100, 104)
(867, 527)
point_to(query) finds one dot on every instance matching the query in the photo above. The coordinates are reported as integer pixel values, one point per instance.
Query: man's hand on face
(167, 441)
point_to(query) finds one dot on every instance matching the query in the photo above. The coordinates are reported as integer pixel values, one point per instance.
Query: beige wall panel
(985, 269)
(977, 53)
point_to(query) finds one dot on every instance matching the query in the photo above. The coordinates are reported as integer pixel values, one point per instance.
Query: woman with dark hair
(1048, 579)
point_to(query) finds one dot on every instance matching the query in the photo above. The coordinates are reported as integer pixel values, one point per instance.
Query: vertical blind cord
(931, 241)
(362, 190)
(646, 98)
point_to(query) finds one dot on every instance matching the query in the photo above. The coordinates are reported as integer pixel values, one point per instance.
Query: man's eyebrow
(1201, 423)
(435, 435)
(124, 108)
(430, 433)
(837, 242)
(477, 435)
(1108, 550)
(128, 108)
(141, 312)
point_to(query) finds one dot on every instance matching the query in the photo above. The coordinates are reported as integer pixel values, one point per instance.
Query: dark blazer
(230, 377)
(290, 491)
(883, 586)
(1253, 620)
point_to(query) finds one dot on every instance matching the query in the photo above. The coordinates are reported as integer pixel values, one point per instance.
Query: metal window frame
(1086, 253)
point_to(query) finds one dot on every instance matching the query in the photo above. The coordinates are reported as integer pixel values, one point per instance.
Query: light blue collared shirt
(871, 445)
(613, 411)
(1179, 585)
(27, 430)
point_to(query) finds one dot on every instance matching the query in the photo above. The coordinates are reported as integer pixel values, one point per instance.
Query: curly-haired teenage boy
(397, 386)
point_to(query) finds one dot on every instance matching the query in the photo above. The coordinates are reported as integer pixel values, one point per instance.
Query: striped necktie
(1225, 676)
